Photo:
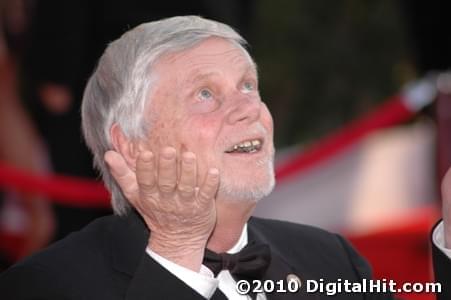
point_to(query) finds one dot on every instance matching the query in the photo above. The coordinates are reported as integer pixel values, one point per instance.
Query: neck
(230, 220)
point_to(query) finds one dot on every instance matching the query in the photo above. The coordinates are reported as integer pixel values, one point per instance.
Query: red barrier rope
(65, 190)
(80, 192)
(392, 112)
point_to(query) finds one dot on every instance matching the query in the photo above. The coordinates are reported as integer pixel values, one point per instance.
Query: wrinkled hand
(180, 214)
(446, 207)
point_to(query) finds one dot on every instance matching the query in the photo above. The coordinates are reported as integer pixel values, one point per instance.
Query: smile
(248, 146)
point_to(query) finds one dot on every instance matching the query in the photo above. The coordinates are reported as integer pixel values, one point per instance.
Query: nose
(244, 109)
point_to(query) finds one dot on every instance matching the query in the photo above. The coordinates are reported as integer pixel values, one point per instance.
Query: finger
(145, 172)
(188, 175)
(167, 171)
(124, 176)
(446, 207)
(208, 190)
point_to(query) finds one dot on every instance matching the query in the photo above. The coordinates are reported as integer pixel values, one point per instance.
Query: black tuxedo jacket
(107, 260)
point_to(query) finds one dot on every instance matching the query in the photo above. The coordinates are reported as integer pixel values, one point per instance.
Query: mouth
(246, 146)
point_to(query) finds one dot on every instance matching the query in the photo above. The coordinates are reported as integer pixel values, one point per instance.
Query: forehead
(210, 53)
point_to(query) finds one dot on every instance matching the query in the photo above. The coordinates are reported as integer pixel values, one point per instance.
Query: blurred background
(361, 107)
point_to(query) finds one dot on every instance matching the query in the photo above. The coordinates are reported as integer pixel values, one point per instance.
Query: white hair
(118, 90)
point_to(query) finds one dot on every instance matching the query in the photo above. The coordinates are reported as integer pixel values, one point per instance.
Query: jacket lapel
(129, 236)
(127, 243)
(280, 269)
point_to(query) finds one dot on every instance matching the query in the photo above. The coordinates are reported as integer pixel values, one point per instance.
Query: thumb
(124, 176)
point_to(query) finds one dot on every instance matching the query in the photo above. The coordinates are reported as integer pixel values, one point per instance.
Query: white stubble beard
(240, 190)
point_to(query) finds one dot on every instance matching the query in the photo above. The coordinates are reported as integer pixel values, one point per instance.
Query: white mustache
(257, 130)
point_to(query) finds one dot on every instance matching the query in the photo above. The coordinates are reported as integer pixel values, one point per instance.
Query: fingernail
(168, 152)
(146, 156)
(189, 156)
(213, 171)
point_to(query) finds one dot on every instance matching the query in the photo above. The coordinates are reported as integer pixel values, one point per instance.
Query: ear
(128, 148)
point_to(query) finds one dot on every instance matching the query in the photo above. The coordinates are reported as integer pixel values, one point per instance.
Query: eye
(248, 87)
(205, 94)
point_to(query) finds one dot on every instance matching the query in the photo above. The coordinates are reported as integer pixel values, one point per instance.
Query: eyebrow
(203, 76)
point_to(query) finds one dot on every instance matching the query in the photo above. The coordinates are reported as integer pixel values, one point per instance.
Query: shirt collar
(241, 243)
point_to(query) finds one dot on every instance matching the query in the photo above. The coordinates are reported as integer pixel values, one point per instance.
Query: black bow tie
(250, 263)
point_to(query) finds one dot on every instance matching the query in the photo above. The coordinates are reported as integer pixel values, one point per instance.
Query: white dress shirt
(205, 284)
(438, 238)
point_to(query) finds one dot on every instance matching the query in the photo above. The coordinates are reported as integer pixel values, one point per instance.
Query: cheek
(201, 136)
(162, 134)
(202, 131)
(267, 118)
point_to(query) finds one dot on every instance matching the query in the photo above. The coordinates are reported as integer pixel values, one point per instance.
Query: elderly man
(174, 119)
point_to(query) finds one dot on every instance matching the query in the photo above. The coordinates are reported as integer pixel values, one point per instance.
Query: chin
(248, 187)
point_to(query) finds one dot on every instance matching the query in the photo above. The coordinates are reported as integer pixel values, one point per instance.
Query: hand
(179, 214)
(446, 207)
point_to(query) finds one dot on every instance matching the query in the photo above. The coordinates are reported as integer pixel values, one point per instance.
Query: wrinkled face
(206, 100)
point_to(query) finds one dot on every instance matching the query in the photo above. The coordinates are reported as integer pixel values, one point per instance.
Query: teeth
(246, 146)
